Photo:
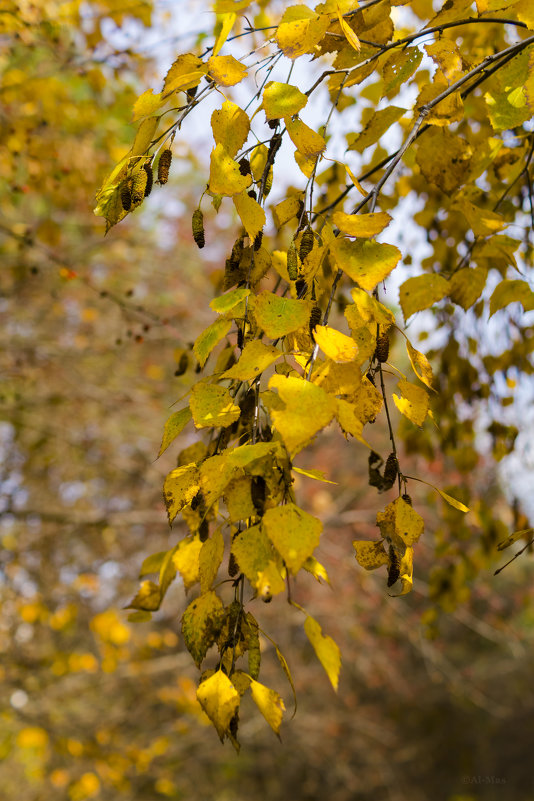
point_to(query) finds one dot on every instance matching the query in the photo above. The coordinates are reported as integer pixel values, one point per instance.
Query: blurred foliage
(96, 347)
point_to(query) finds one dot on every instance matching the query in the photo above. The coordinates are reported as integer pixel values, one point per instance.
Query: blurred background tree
(435, 695)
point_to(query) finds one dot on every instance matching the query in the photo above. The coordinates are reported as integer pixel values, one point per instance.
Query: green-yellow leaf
(294, 533)
(212, 406)
(282, 100)
(251, 213)
(255, 358)
(230, 126)
(279, 316)
(326, 649)
(482, 222)
(225, 303)
(399, 68)
(152, 563)
(148, 599)
(421, 292)
(174, 425)
(220, 701)
(511, 291)
(210, 558)
(307, 409)
(201, 623)
(334, 344)
(365, 261)
(226, 70)
(210, 338)
(225, 176)
(269, 703)
(361, 225)
(180, 487)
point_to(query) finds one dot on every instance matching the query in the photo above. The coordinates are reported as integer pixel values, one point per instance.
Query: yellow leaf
(209, 338)
(186, 64)
(406, 571)
(279, 316)
(335, 345)
(448, 110)
(315, 568)
(146, 104)
(225, 177)
(253, 552)
(286, 210)
(238, 499)
(351, 37)
(209, 560)
(269, 581)
(224, 303)
(305, 139)
(230, 126)
(180, 487)
(326, 649)
(409, 525)
(300, 30)
(413, 403)
(447, 56)
(399, 67)
(183, 82)
(348, 419)
(307, 409)
(526, 533)
(511, 291)
(148, 598)
(362, 225)
(282, 100)
(355, 181)
(186, 560)
(525, 12)
(215, 475)
(481, 221)
(366, 262)
(421, 292)
(371, 310)
(212, 406)
(370, 555)
(444, 158)
(269, 703)
(421, 365)
(294, 533)
(226, 70)
(251, 213)
(466, 285)
(255, 358)
(306, 164)
(174, 425)
(201, 623)
(318, 475)
(378, 124)
(225, 23)
(220, 701)
(450, 500)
